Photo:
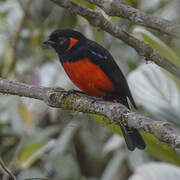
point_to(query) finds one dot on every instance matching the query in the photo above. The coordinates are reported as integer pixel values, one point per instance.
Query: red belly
(88, 77)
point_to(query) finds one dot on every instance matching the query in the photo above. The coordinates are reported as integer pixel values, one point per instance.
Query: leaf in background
(155, 148)
(3, 15)
(113, 143)
(63, 18)
(85, 3)
(14, 14)
(22, 111)
(156, 92)
(160, 150)
(26, 113)
(88, 143)
(112, 169)
(30, 173)
(107, 122)
(29, 150)
(157, 44)
(114, 18)
(39, 10)
(33, 152)
(64, 139)
(138, 158)
(98, 36)
(156, 171)
(66, 167)
(68, 20)
(132, 3)
(42, 134)
(10, 114)
(7, 59)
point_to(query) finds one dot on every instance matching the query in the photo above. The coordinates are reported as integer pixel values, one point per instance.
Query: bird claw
(72, 91)
(94, 99)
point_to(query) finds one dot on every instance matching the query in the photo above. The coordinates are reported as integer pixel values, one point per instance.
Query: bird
(94, 71)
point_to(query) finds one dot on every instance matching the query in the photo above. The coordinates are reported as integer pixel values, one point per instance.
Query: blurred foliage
(40, 142)
(157, 44)
(85, 3)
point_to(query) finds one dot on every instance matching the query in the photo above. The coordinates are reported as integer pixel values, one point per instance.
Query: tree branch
(3, 166)
(115, 112)
(121, 9)
(98, 20)
(16, 37)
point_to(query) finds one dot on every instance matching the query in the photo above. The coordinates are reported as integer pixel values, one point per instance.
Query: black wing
(101, 57)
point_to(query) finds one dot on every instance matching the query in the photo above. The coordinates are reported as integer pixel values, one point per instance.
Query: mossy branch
(114, 112)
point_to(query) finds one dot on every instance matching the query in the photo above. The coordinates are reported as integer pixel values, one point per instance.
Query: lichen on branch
(114, 112)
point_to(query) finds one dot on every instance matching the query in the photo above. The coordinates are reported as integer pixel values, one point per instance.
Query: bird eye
(62, 40)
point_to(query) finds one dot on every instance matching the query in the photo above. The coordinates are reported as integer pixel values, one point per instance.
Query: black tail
(132, 137)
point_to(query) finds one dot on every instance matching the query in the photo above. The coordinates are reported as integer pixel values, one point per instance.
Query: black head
(65, 39)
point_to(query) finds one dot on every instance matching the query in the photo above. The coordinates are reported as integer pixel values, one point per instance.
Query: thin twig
(6, 169)
(16, 153)
(16, 36)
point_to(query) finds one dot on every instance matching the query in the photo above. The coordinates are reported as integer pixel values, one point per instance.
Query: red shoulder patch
(73, 41)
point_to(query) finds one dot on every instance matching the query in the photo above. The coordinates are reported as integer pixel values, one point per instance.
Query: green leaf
(85, 3)
(3, 14)
(156, 93)
(7, 59)
(29, 150)
(107, 122)
(33, 152)
(22, 111)
(160, 150)
(155, 148)
(157, 44)
(131, 2)
(98, 36)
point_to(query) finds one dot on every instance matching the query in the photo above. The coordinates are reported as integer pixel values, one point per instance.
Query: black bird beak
(49, 42)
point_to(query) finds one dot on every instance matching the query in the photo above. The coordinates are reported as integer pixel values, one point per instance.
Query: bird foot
(72, 91)
(94, 99)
